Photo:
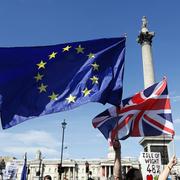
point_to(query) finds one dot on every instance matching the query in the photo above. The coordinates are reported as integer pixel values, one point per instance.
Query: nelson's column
(154, 143)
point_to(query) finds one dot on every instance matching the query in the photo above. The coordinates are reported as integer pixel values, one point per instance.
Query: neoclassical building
(74, 169)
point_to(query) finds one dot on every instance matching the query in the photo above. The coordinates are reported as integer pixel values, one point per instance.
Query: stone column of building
(105, 171)
(110, 171)
(69, 172)
(73, 173)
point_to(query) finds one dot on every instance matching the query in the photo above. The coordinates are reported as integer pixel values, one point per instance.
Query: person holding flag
(147, 113)
(165, 173)
(117, 161)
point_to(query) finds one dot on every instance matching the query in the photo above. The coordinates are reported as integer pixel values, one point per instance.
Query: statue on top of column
(144, 22)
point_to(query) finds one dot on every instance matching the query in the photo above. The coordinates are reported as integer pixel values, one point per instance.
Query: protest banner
(151, 165)
(10, 171)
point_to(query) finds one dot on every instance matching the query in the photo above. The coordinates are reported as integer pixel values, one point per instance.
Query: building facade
(74, 169)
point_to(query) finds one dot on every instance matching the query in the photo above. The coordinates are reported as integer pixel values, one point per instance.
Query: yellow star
(86, 92)
(38, 77)
(95, 66)
(66, 48)
(91, 55)
(71, 99)
(42, 88)
(53, 96)
(41, 65)
(79, 49)
(52, 55)
(94, 80)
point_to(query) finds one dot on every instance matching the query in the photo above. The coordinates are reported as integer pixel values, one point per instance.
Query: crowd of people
(133, 173)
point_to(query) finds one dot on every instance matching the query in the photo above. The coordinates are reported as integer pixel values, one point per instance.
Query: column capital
(145, 36)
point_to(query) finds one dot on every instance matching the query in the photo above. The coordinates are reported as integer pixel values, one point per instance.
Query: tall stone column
(154, 143)
(69, 172)
(145, 40)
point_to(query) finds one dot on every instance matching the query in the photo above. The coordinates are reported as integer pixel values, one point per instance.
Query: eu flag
(24, 169)
(35, 81)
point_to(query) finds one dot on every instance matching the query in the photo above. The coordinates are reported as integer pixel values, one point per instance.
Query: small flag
(24, 170)
(35, 81)
(147, 113)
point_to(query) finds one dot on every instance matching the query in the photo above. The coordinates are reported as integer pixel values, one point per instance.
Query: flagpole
(164, 139)
(173, 142)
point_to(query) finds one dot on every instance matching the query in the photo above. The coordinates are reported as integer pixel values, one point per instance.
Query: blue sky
(45, 22)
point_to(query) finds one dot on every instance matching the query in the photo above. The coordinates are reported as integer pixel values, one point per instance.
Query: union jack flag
(147, 113)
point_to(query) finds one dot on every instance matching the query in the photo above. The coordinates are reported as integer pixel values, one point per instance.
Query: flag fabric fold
(35, 81)
(24, 169)
(147, 113)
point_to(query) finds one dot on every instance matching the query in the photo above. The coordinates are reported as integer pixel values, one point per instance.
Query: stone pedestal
(157, 144)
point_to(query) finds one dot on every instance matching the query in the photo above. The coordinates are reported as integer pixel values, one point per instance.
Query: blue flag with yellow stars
(35, 81)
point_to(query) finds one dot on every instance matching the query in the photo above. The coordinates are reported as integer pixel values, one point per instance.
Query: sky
(48, 22)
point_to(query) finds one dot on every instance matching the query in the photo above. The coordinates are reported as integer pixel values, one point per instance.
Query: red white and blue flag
(147, 113)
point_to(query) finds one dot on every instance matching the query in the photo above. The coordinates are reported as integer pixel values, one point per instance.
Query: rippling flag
(147, 113)
(24, 169)
(35, 81)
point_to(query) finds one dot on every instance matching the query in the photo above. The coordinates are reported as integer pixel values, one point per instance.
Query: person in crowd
(165, 173)
(117, 161)
(90, 176)
(133, 173)
(47, 177)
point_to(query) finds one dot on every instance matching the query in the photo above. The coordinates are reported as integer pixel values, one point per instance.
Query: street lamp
(76, 170)
(62, 145)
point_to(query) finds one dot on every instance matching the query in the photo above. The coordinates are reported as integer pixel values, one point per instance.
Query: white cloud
(16, 144)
